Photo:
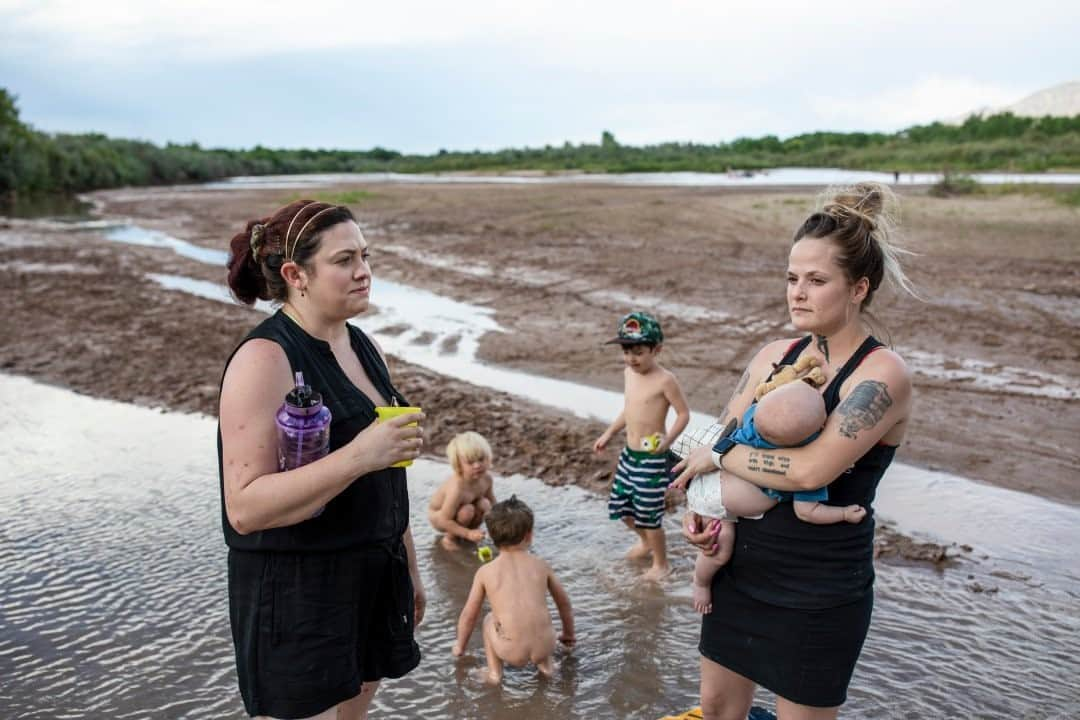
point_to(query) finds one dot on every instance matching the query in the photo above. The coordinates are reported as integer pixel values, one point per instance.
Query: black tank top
(782, 560)
(374, 509)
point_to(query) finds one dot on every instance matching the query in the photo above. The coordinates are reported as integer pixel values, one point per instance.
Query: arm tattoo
(768, 462)
(864, 407)
(823, 346)
(738, 389)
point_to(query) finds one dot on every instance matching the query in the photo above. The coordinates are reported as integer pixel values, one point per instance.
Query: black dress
(792, 607)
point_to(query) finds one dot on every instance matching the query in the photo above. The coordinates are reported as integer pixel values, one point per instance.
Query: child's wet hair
(467, 447)
(508, 522)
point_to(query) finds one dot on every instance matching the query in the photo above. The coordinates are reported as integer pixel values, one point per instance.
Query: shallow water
(760, 178)
(65, 208)
(113, 574)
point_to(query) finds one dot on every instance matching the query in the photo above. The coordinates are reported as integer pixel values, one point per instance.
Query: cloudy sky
(418, 76)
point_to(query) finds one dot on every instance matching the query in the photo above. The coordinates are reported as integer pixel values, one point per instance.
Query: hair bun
(861, 220)
(865, 201)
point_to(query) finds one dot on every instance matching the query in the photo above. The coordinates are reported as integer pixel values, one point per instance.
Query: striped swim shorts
(638, 490)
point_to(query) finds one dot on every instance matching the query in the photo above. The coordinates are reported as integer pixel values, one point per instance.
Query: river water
(756, 179)
(113, 577)
(113, 574)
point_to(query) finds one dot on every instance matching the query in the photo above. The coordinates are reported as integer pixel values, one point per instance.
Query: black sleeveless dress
(322, 606)
(792, 607)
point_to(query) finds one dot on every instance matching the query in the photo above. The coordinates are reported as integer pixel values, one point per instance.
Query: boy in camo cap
(641, 478)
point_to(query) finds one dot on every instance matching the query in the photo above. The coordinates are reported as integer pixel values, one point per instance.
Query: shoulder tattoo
(864, 407)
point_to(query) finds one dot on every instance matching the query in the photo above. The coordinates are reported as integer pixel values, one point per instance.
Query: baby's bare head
(789, 414)
(509, 522)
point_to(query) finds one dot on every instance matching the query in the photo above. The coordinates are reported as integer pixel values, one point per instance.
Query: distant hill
(1059, 101)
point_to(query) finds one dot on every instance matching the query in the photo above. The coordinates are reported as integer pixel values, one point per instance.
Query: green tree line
(34, 162)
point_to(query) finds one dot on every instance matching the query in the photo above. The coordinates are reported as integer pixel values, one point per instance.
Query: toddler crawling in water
(518, 630)
(787, 416)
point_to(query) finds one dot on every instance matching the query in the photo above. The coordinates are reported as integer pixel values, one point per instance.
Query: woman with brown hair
(322, 603)
(791, 609)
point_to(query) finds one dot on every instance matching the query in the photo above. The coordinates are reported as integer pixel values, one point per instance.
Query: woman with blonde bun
(792, 607)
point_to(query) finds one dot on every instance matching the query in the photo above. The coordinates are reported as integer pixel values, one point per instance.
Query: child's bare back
(518, 630)
(516, 586)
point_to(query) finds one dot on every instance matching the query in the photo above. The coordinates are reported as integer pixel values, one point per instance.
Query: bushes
(954, 185)
(35, 162)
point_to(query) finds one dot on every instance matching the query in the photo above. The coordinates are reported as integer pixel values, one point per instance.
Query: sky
(420, 76)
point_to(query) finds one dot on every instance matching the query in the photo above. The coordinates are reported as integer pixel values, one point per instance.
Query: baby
(787, 416)
(458, 507)
(518, 630)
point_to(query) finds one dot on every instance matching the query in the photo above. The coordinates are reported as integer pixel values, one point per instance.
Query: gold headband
(305, 226)
(289, 230)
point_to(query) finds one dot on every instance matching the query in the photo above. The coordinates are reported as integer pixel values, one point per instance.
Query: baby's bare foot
(854, 513)
(639, 551)
(657, 572)
(703, 599)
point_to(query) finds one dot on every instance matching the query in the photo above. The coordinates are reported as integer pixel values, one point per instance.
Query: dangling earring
(302, 293)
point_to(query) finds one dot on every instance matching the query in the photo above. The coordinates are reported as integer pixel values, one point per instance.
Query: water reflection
(113, 574)
(64, 208)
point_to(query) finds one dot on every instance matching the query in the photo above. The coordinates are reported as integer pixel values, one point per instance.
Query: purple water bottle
(303, 427)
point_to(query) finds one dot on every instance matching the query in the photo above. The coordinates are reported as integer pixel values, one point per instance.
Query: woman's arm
(700, 460)
(419, 596)
(257, 495)
(697, 532)
(876, 398)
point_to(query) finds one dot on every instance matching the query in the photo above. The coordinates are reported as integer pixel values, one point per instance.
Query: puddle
(134, 235)
(113, 569)
(991, 376)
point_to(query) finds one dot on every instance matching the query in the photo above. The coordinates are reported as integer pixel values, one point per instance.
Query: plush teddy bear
(806, 368)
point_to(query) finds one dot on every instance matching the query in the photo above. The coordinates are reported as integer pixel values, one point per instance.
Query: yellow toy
(485, 553)
(651, 443)
(806, 368)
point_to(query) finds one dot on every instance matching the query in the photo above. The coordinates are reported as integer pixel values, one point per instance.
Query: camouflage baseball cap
(638, 328)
